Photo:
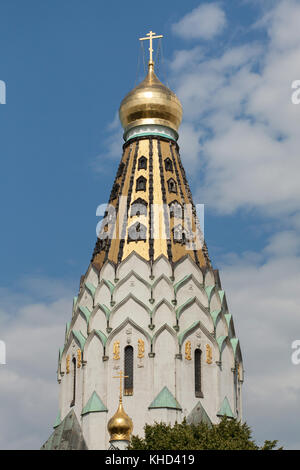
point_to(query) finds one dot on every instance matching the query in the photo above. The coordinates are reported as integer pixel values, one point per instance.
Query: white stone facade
(172, 311)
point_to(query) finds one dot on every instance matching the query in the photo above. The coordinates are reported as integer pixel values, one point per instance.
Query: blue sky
(67, 66)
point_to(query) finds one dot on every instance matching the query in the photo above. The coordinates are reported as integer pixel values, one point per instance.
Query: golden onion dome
(120, 426)
(150, 103)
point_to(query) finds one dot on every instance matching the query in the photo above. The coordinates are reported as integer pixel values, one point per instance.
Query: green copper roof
(91, 288)
(165, 399)
(94, 405)
(220, 341)
(67, 435)
(102, 336)
(105, 309)
(179, 283)
(57, 421)
(79, 336)
(208, 290)
(225, 409)
(60, 351)
(86, 312)
(221, 294)
(74, 301)
(228, 317)
(234, 342)
(215, 315)
(181, 335)
(109, 285)
(179, 309)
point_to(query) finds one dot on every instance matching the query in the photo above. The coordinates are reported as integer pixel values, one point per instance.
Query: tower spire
(120, 376)
(150, 299)
(149, 37)
(120, 425)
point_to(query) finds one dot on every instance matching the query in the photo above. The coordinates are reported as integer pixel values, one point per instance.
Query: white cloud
(33, 331)
(241, 129)
(114, 135)
(186, 58)
(246, 140)
(204, 22)
(242, 100)
(263, 294)
(283, 25)
(190, 144)
(264, 298)
(284, 243)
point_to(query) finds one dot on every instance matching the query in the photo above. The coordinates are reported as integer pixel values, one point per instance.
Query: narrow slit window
(128, 368)
(172, 186)
(176, 210)
(141, 184)
(142, 163)
(139, 207)
(74, 381)
(168, 165)
(198, 373)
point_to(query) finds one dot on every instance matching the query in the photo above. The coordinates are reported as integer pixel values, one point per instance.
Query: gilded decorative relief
(141, 348)
(239, 371)
(208, 354)
(79, 358)
(116, 350)
(68, 359)
(188, 349)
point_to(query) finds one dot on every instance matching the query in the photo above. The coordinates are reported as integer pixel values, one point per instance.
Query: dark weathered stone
(198, 415)
(67, 435)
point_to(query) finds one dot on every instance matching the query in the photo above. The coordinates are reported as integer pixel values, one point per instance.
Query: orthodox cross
(150, 37)
(120, 376)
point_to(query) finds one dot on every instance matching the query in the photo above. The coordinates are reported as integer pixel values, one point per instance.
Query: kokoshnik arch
(150, 310)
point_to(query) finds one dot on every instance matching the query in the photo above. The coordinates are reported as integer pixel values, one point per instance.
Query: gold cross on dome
(120, 376)
(150, 37)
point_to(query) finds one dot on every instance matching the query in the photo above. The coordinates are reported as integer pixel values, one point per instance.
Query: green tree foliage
(229, 434)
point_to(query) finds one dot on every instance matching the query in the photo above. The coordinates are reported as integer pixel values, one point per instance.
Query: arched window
(168, 165)
(128, 370)
(178, 232)
(176, 210)
(141, 184)
(74, 381)
(142, 163)
(137, 232)
(139, 207)
(198, 373)
(172, 186)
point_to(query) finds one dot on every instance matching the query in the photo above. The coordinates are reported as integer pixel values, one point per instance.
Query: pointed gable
(67, 435)
(165, 399)
(94, 405)
(198, 415)
(57, 421)
(225, 409)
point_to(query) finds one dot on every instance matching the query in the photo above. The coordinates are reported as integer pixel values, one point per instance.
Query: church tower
(150, 304)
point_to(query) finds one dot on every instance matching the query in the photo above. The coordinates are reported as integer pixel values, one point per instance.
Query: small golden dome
(120, 426)
(150, 102)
